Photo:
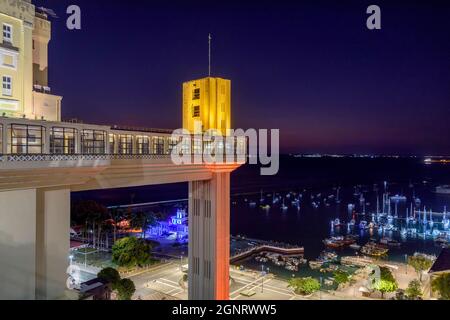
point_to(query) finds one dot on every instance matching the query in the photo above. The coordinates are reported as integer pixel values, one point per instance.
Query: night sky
(309, 68)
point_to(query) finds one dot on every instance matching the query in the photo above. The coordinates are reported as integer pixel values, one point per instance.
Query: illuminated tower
(24, 37)
(207, 102)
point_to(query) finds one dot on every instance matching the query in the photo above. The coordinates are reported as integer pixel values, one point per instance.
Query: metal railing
(103, 157)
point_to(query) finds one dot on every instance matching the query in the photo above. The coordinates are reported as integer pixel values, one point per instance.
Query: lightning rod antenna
(209, 54)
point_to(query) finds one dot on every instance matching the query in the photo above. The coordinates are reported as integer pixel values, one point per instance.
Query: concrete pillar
(209, 238)
(17, 245)
(34, 243)
(52, 242)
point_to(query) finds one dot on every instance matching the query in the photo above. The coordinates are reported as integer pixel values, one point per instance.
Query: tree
(386, 283)
(304, 286)
(125, 289)
(414, 290)
(441, 284)
(130, 252)
(110, 275)
(91, 214)
(341, 277)
(420, 263)
(141, 220)
(115, 214)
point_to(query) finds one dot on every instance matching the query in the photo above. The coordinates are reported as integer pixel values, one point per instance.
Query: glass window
(62, 140)
(196, 111)
(7, 33)
(172, 144)
(93, 142)
(26, 139)
(158, 145)
(143, 145)
(125, 144)
(196, 94)
(7, 86)
(112, 143)
(197, 145)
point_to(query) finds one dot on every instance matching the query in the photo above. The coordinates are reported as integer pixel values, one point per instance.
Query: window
(125, 144)
(93, 142)
(172, 144)
(143, 145)
(26, 139)
(196, 94)
(62, 140)
(112, 144)
(196, 112)
(7, 86)
(158, 145)
(7, 33)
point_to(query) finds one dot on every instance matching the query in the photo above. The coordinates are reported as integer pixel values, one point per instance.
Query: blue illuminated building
(175, 228)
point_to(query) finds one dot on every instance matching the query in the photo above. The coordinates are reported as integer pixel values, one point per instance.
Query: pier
(267, 248)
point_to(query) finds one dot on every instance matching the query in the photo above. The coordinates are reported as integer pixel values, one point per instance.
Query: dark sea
(317, 179)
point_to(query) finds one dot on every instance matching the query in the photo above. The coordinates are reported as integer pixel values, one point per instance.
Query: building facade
(207, 105)
(25, 91)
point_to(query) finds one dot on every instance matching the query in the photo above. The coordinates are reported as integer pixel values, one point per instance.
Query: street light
(181, 261)
(262, 278)
(406, 263)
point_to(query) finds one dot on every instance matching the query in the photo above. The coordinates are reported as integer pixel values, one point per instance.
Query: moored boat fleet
(291, 263)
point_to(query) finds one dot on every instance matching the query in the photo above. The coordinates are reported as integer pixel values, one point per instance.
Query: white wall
(17, 244)
(34, 243)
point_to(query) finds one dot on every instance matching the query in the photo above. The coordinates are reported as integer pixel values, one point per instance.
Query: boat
(283, 206)
(355, 246)
(265, 207)
(398, 198)
(373, 249)
(339, 242)
(444, 189)
(328, 256)
(291, 267)
(315, 264)
(363, 225)
(349, 240)
(337, 223)
(389, 242)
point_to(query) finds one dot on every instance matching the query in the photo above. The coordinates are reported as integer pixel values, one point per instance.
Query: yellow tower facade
(207, 105)
(24, 38)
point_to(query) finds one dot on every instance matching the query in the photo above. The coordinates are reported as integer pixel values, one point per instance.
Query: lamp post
(262, 278)
(320, 290)
(406, 263)
(181, 261)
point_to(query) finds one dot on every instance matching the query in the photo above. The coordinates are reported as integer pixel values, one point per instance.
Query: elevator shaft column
(209, 237)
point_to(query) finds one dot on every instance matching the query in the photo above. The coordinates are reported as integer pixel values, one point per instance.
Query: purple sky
(309, 68)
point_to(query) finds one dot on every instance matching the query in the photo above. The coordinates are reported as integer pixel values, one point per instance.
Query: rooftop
(442, 263)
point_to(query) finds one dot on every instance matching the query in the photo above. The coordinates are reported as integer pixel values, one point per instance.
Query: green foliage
(125, 289)
(88, 210)
(441, 284)
(304, 286)
(131, 252)
(110, 275)
(414, 290)
(386, 283)
(341, 277)
(420, 263)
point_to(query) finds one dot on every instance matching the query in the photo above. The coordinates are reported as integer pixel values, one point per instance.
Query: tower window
(7, 86)
(196, 94)
(7, 33)
(196, 112)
